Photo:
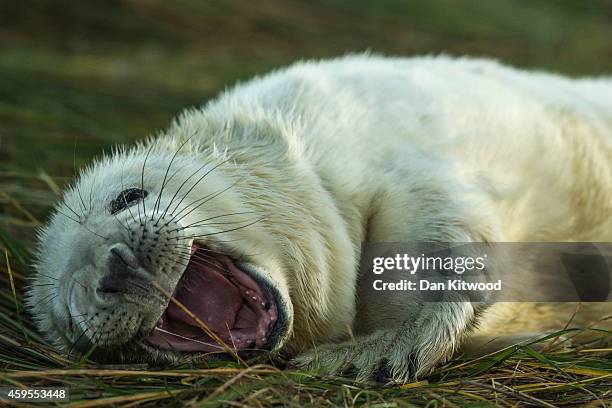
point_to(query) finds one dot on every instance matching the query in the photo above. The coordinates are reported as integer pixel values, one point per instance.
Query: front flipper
(397, 355)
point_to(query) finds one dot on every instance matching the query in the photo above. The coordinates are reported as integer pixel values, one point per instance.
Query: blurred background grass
(79, 76)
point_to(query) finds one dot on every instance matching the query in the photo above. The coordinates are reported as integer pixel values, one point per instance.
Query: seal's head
(143, 224)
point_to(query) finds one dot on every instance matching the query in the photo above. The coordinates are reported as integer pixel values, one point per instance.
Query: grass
(93, 74)
(515, 376)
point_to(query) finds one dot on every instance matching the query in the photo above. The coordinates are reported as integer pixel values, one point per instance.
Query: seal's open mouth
(223, 296)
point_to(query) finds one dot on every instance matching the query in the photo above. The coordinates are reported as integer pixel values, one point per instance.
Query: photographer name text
(427, 285)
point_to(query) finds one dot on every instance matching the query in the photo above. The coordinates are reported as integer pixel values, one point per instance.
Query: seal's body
(279, 182)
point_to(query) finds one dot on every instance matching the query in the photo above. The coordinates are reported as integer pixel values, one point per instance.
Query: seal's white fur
(364, 148)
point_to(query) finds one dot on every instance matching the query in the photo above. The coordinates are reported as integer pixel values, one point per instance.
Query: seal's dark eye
(127, 198)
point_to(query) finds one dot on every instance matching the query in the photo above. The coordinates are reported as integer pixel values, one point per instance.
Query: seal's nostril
(122, 257)
(122, 253)
(110, 285)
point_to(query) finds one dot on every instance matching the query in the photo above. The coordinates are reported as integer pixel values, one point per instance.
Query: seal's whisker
(197, 261)
(72, 211)
(215, 167)
(214, 195)
(95, 332)
(198, 182)
(221, 269)
(49, 298)
(87, 328)
(80, 223)
(227, 241)
(212, 251)
(144, 164)
(228, 230)
(144, 289)
(123, 189)
(161, 191)
(176, 214)
(139, 215)
(93, 182)
(193, 185)
(70, 318)
(76, 184)
(95, 233)
(90, 343)
(67, 216)
(122, 224)
(204, 262)
(213, 218)
(206, 258)
(56, 279)
(91, 193)
(131, 215)
(205, 224)
(86, 321)
(47, 276)
(177, 171)
(180, 187)
(182, 262)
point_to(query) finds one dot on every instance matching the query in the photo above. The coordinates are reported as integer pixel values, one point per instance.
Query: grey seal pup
(252, 211)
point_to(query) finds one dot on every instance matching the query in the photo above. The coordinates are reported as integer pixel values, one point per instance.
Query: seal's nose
(121, 265)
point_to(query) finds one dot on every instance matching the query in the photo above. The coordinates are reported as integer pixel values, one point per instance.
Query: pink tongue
(211, 297)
